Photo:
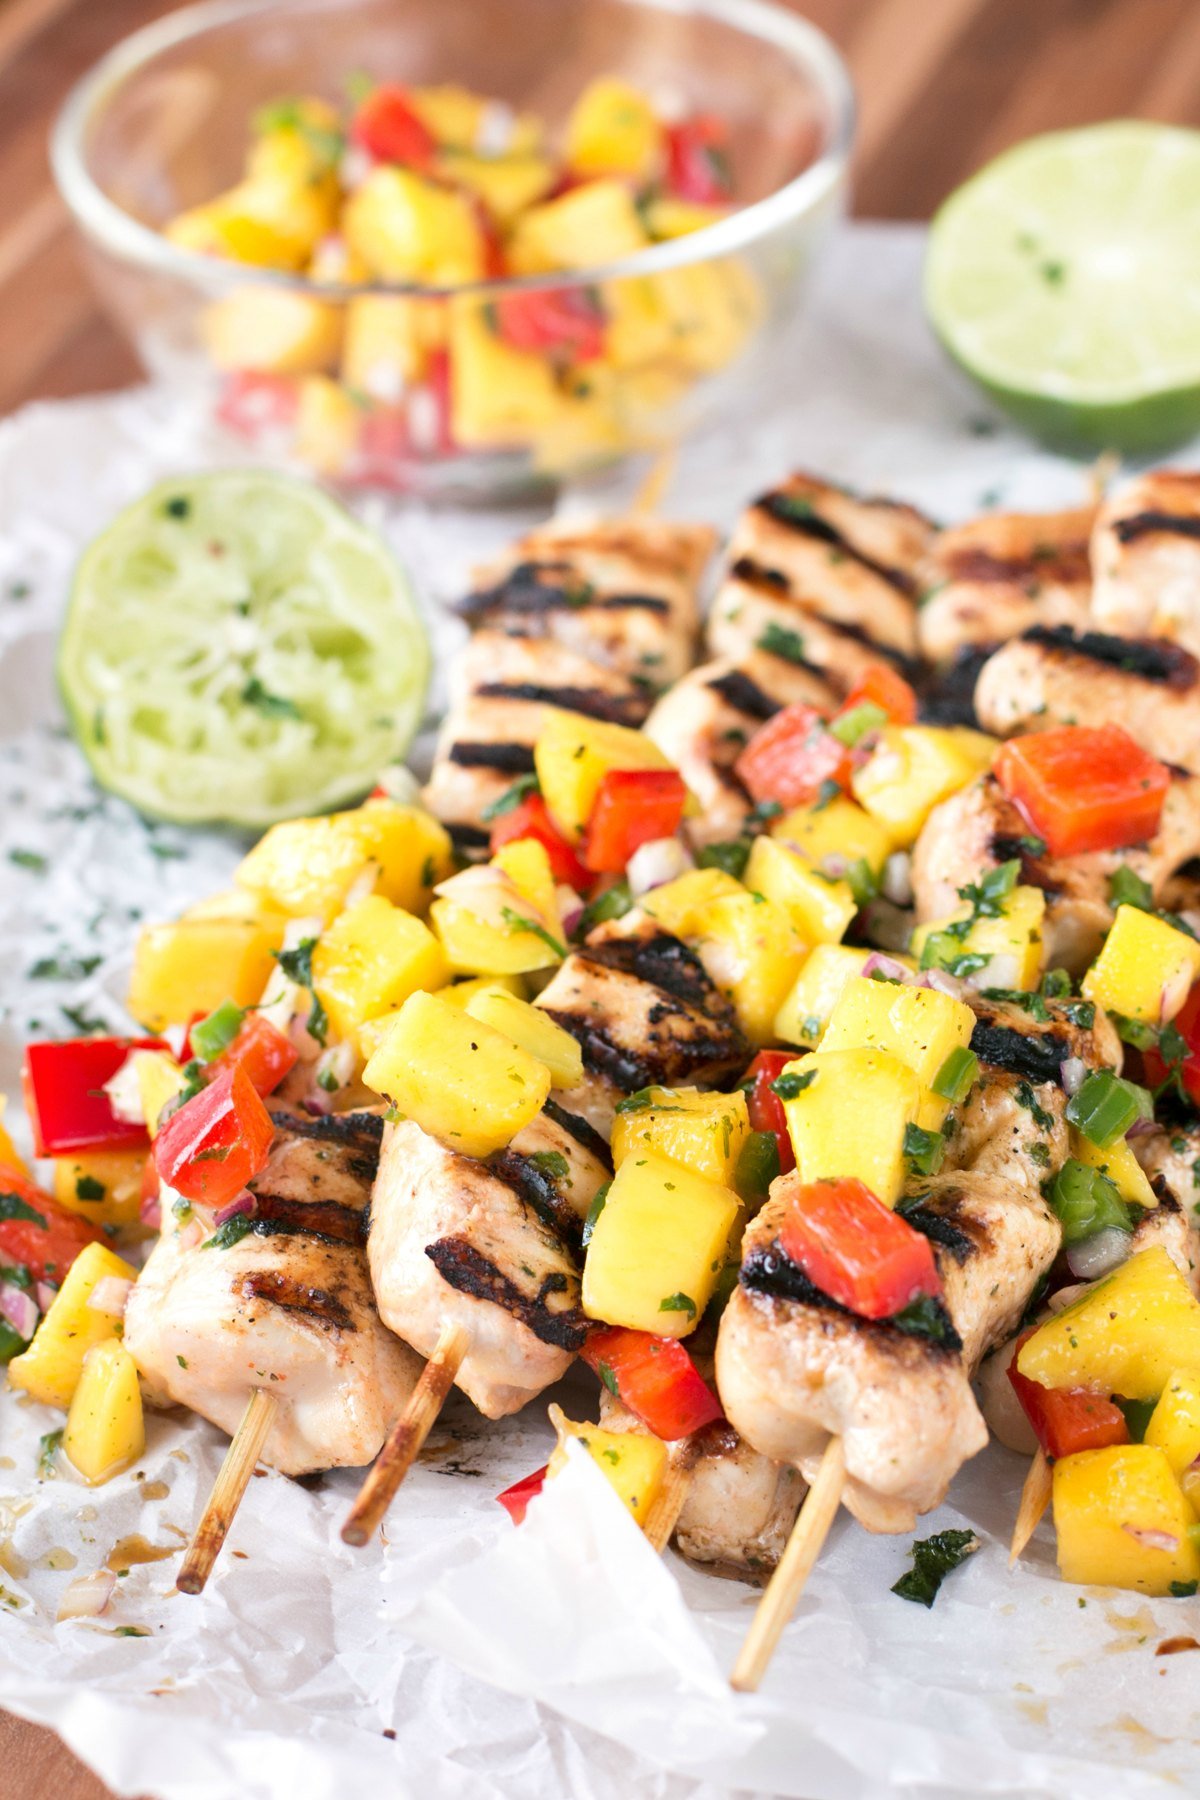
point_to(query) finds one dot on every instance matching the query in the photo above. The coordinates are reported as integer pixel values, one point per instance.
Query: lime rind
(238, 648)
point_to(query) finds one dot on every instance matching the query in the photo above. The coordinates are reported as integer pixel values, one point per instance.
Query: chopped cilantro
(519, 922)
(678, 1303)
(933, 1559)
(510, 799)
(792, 1082)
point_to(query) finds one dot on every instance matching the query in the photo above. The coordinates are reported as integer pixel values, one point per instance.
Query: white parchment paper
(465, 1658)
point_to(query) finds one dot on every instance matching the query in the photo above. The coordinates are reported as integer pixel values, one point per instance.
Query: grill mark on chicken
(468, 837)
(745, 695)
(538, 1190)
(769, 1270)
(661, 960)
(1146, 524)
(525, 590)
(314, 1303)
(461, 1266)
(775, 585)
(1066, 561)
(585, 1135)
(1154, 659)
(1036, 1056)
(800, 515)
(949, 697)
(593, 703)
(360, 1129)
(625, 1068)
(921, 1213)
(328, 1220)
(509, 759)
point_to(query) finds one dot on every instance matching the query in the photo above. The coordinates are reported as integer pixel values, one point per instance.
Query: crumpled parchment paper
(464, 1658)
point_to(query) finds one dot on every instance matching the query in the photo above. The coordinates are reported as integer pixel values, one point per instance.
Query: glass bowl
(388, 385)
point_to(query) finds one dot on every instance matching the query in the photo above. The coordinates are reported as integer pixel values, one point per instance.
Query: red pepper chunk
(515, 1499)
(37, 1233)
(389, 129)
(1084, 787)
(1065, 1420)
(530, 818)
(1187, 1024)
(259, 1048)
(857, 1250)
(68, 1110)
(216, 1142)
(698, 160)
(568, 322)
(790, 757)
(632, 807)
(880, 686)
(764, 1105)
(655, 1378)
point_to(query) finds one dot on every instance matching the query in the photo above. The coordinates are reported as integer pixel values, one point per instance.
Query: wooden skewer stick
(663, 1516)
(786, 1585)
(1035, 1498)
(407, 1435)
(232, 1481)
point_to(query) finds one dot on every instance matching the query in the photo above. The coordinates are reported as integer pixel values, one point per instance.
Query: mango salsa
(105, 1430)
(372, 957)
(1126, 1335)
(632, 1462)
(573, 754)
(701, 1131)
(865, 1139)
(1122, 1520)
(752, 950)
(1146, 968)
(50, 1368)
(102, 1186)
(913, 767)
(920, 1026)
(189, 967)
(657, 1246)
(307, 867)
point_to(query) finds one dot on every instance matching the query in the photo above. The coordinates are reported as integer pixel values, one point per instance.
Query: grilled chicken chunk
(999, 574)
(794, 1368)
(706, 720)
(1146, 559)
(500, 691)
(491, 1245)
(644, 1013)
(979, 827)
(1011, 1129)
(287, 1307)
(853, 561)
(622, 593)
(1048, 678)
(757, 609)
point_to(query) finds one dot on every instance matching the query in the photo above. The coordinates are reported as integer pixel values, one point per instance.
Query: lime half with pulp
(1065, 277)
(238, 648)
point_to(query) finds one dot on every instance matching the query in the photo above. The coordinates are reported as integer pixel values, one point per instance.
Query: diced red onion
(19, 1308)
(943, 983)
(242, 1205)
(1153, 1540)
(88, 1595)
(998, 972)
(1072, 1072)
(45, 1295)
(834, 865)
(150, 1211)
(401, 784)
(1172, 996)
(317, 1105)
(570, 907)
(1142, 1128)
(109, 1295)
(880, 964)
(363, 885)
(336, 1064)
(123, 1093)
(1096, 1255)
(896, 884)
(656, 863)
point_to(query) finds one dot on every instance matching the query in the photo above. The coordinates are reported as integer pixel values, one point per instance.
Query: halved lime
(238, 648)
(1065, 277)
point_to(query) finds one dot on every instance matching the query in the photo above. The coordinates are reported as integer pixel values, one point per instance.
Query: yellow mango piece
(328, 424)
(913, 767)
(50, 1368)
(702, 1132)
(1012, 942)
(9, 1156)
(835, 834)
(105, 1431)
(667, 217)
(527, 865)
(189, 967)
(680, 905)
(1146, 968)
(298, 139)
(532, 1029)
(406, 228)
(306, 867)
(638, 330)
(507, 185)
(589, 225)
(460, 992)
(657, 1247)
(713, 307)
(1120, 1165)
(1174, 1426)
(372, 957)
(159, 1078)
(613, 130)
(272, 331)
(572, 756)
(236, 903)
(850, 1118)
(919, 1025)
(752, 951)
(387, 344)
(102, 1186)
(467, 121)
(273, 221)
(813, 995)
(1126, 1335)
(632, 1462)
(487, 926)
(460, 1080)
(820, 908)
(499, 395)
(1122, 1520)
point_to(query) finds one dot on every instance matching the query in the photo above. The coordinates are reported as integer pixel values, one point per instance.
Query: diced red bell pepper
(389, 129)
(36, 1232)
(880, 686)
(632, 807)
(67, 1108)
(1084, 787)
(764, 1105)
(655, 1378)
(530, 818)
(1187, 1024)
(790, 757)
(565, 321)
(261, 1049)
(216, 1142)
(1066, 1420)
(253, 404)
(698, 160)
(516, 1499)
(857, 1250)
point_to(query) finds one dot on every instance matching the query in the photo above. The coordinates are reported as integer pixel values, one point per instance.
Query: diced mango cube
(813, 995)
(328, 424)
(657, 1247)
(388, 339)
(591, 224)
(1122, 1520)
(820, 907)
(189, 967)
(632, 1462)
(408, 229)
(713, 306)
(913, 767)
(507, 185)
(102, 1186)
(680, 905)
(9, 1156)
(919, 1025)
(273, 331)
(1120, 1165)
(613, 130)
(532, 1029)
(489, 927)
(1146, 968)
(1175, 1422)
(50, 1368)
(105, 1430)
(703, 1132)
(527, 866)
(499, 395)
(668, 217)
(751, 950)
(573, 754)
(834, 835)
(306, 867)
(1126, 1335)
(370, 959)
(849, 1118)
(458, 116)
(1011, 943)
(460, 1080)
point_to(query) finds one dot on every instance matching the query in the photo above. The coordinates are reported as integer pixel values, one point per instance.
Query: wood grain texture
(943, 85)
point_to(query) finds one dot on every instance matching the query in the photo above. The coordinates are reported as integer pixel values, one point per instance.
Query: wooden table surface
(943, 85)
